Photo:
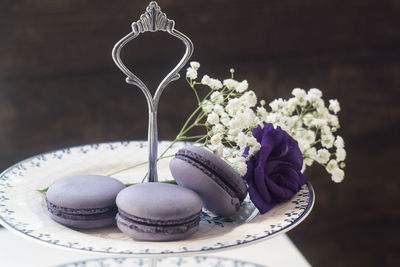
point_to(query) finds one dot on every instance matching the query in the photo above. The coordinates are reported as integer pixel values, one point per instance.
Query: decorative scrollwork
(153, 20)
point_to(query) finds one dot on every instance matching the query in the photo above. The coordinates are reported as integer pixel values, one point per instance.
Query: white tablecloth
(16, 251)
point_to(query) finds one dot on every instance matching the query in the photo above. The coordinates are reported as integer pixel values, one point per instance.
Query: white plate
(163, 262)
(23, 209)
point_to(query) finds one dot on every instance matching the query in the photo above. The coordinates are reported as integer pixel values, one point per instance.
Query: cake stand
(23, 209)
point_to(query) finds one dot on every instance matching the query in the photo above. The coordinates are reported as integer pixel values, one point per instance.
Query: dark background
(59, 87)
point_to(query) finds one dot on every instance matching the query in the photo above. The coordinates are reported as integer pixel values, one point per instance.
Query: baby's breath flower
(213, 118)
(242, 86)
(277, 104)
(323, 156)
(218, 129)
(216, 139)
(262, 113)
(216, 97)
(231, 84)
(327, 140)
(225, 119)
(339, 143)
(334, 106)
(337, 175)
(319, 122)
(207, 106)
(191, 73)
(249, 99)
(219, 109)
(195, 65)
(233, 106)
(241, 168)
(215, 84)
(315, 92)
(299, 93)
(206, 80)
(332, 164)
(340, 154)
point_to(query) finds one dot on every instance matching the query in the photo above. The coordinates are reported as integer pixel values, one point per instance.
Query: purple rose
(274, 172)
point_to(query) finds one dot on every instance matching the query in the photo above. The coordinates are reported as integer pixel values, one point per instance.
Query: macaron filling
(177, 226)
(212, 171)
(87, 214)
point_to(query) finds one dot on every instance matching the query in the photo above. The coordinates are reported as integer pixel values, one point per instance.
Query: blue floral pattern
(22, 208)
(163, 262)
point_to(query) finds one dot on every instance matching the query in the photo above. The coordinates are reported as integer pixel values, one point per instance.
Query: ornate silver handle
(152, 20)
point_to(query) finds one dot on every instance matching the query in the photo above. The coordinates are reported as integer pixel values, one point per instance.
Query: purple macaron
(84, 201)
(219, 185)
(158, 212)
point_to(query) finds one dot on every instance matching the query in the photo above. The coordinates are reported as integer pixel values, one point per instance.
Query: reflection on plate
(23, 209)
(163, 262)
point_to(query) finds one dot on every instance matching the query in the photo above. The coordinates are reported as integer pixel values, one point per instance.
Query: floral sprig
(230, 112)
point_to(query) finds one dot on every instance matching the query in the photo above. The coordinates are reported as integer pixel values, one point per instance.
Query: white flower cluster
(230, 116)
(231, 112)
(306, 118)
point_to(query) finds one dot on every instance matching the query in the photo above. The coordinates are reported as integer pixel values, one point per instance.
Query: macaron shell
(84, 201)
(84, 191)
(84, 224)
(215, 198)
(159, 201)
(142, 232)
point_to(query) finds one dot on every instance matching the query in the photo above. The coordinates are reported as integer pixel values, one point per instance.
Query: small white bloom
(254, 148)
(219, 150)
(249, 117)
(311, 153)
(339, 142)
(233, 106)
(217, 129)
(332, 164)
(334, 106)
(272, 118)
(318, 122)
(242, 87)
(333, 120)
(326, 130)
(310, 136)
(233, 133)
(262, 113)
(327, 140)
(299, 93)
(308, 119)
(217, 97)
(241, 140)
(231, 84)
(308, 162)
(215, 84)
(241, 168)
(292, 104)
(206, 80)
(323, 156)
(213, 118)
(219, 109)
(195, 65)
(340, 154)
(225, 119)
(315, 92)
(191, 73)
(337, 175)
(216, 139)
(207, 106)
(277, 104)
(249, 99)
